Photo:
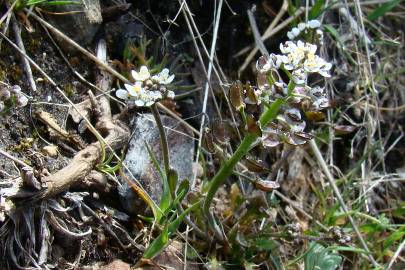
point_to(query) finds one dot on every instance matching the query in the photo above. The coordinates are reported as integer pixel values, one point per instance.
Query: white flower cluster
(297, 57)
(312, 25)
(6, 93)
(147, 89)
(298, 60)
(296, 31)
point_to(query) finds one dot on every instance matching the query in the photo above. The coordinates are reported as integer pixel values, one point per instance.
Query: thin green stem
(227, 168)
(163, 138)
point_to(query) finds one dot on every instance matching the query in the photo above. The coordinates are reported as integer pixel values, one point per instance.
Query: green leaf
(395, 236)
(319, 257)
(180, 194)
(381, 10)
(172, 178)
(166, 198)
(157, 245)
(161, 241)
(316, 9)
(266, 244)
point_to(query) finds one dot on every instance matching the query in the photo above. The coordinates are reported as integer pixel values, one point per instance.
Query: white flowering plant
(283, 92)
(147, 89)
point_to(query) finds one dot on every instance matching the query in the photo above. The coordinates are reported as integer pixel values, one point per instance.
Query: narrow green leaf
(381, 10)
(173, 177)
(176, 223)
(165, 198)
(316, 9)
(390, 240)
(161, 241)
(157, 245)
(180, 194)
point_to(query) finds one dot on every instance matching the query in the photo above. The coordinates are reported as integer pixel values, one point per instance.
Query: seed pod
(266, 185)
(253, 126)
(254, 165)
(235, 96)
(252, 95)
(208, 141)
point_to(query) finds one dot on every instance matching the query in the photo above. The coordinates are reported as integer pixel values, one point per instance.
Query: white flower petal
(165, 72)
(290, 35)
(142, 75)
(134, 75)
(295, 31)
(170, 95)
(139, 103)
(156, 78)
(170, 79)
(133, 90)
(314, 24)
(302, 26)
(122, 94)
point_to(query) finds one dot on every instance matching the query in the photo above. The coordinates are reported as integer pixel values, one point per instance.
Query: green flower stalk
(227, 168)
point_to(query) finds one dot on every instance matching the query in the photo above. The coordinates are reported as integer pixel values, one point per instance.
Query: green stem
(227, 168)
(163, 138)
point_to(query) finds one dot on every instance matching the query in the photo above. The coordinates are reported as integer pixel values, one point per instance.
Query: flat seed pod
(266, 185)
(236, 96)
(208, 142)
(344, 129)
(253, 126)
(255, 165)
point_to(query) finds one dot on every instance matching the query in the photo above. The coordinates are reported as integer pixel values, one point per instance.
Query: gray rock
(79, 22)
(181, 148)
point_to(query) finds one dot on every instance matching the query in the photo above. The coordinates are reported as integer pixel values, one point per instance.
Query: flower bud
(22, 101)
(15, 89)
(4, 94)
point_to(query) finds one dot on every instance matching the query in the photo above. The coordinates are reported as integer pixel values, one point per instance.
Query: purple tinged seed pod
(22, 101)
(15, 89)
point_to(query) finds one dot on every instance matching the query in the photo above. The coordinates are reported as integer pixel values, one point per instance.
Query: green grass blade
(166, 198)
(161, 241)
(381, 10)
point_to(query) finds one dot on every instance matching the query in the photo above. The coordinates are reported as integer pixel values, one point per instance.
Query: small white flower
(163, 77)
(290, 35)
(302, 26)
(138, 95)
(122, 94)
(324, 69)
(319, 35)
(142, 75)
(295, 31)
(314, 24)
(170, 94)
(299, 76)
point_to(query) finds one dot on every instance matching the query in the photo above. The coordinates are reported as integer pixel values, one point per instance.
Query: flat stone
(79, 22)
(181, 148)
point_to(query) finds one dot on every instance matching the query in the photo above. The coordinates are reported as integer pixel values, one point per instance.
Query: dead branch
(115, 135)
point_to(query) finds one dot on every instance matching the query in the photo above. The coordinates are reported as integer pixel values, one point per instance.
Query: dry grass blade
(342, 203)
